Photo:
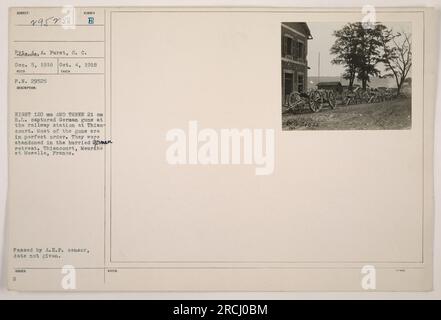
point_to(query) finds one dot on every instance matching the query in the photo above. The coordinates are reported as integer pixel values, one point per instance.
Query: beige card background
(337, 200)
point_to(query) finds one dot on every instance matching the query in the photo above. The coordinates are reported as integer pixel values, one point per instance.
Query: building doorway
(288, 84)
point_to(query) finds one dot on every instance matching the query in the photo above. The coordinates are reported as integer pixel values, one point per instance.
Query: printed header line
(59, 25)
(58, 41)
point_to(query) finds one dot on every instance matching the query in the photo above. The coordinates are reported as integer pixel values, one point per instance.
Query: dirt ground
(395, 114)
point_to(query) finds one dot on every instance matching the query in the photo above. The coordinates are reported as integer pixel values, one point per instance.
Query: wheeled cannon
(315, 100)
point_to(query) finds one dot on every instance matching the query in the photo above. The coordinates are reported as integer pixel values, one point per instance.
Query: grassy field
(395, 114)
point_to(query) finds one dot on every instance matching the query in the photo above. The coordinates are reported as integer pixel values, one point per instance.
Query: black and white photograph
(346, 75)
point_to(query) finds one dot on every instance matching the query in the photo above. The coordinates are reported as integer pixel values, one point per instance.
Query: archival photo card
(220, 149)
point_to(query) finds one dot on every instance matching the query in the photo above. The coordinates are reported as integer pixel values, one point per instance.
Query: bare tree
(397, 56)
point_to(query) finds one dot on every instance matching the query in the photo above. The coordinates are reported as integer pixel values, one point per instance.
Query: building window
(300, 50)
(288, 45)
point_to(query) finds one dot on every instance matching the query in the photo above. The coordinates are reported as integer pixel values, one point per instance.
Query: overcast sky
(323, 40)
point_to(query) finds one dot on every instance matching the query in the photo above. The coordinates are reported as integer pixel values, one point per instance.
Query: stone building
(295, 36)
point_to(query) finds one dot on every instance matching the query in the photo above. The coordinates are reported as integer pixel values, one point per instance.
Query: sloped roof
(297, 25)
